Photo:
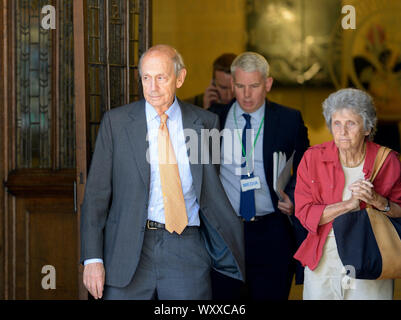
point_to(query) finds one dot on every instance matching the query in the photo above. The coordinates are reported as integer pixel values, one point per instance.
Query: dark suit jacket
(115, 206)
(284, 130)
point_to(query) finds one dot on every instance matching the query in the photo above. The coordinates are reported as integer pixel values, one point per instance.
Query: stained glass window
(33, 86)
(113, 50)
(66, 86)
(45, 134)
(45, 116)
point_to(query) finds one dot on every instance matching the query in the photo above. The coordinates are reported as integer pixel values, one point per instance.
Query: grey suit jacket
(115, 206)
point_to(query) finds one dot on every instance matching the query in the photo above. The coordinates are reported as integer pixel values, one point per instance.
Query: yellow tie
(173, 198)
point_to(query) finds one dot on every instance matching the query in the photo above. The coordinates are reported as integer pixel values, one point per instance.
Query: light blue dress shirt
(176, 132)
(231, 159)
(177, 138)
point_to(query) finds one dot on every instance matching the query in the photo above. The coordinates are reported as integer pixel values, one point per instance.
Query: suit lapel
(190, 120)
(270, 127)
(137, 131)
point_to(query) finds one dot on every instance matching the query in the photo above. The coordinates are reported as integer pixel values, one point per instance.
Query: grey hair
(250, 62)
(177, 59)
(356, 100)
(178, 62)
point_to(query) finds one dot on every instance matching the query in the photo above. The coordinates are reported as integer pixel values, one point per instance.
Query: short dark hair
(223, 63)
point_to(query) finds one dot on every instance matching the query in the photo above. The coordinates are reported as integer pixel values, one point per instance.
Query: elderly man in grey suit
(153, 229)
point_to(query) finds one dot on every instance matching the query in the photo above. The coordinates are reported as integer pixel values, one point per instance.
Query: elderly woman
(332, 180)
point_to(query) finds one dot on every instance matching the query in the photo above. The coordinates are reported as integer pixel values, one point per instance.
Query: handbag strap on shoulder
(380, 158)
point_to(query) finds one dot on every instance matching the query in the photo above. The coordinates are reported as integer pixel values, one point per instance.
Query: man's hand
(210, 96)
(286, 206)
(94, 276)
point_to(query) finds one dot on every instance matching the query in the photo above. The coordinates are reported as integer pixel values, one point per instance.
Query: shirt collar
(172, 111)
(331, 153)
(258, 114)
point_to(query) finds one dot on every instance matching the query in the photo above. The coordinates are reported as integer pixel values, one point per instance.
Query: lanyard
(240, 140)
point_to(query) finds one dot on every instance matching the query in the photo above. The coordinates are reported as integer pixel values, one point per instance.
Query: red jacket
(320, 182)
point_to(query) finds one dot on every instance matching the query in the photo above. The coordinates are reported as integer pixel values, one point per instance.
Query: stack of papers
(281, 171)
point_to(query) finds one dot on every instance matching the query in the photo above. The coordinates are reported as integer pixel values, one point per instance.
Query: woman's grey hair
(356, 100)
(177, 58)
(250, 62)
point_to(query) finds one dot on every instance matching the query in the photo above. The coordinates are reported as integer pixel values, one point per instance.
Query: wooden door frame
(7, 145)
(3, 96)
(81, 116)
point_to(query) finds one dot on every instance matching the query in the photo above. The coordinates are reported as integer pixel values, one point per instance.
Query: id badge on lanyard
(250, 184)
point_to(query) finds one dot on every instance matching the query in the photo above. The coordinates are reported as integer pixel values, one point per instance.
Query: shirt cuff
(313, 220)
(88, 261)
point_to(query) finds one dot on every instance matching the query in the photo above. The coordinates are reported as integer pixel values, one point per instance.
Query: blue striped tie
(247, 201)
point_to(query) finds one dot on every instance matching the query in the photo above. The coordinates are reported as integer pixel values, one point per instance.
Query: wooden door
(38, 220)
(55, 85)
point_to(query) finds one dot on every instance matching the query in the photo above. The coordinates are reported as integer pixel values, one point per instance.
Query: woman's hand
(354, 203)
(363, 190)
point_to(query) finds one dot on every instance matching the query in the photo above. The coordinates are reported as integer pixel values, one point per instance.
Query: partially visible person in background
(219, 92)
(332, 180)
